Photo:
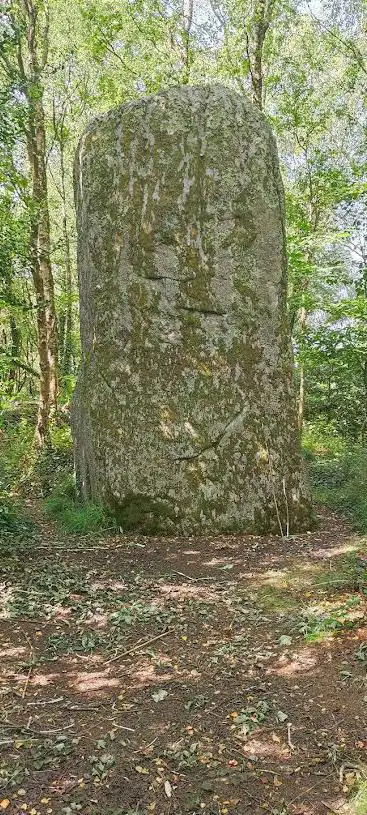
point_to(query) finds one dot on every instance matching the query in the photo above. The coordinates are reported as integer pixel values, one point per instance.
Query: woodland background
(305, 65)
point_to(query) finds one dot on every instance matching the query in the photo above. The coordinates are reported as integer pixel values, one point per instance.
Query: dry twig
(137, 647)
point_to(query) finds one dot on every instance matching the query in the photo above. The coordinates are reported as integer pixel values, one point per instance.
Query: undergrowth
(358, 805)
(46, 474)
(73, 515)
(317, 625)
(338, 472)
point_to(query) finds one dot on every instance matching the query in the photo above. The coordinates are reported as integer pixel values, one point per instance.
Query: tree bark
(15, 353)
(66, 348)
(187, 14)
(261, 22)
(40, 221)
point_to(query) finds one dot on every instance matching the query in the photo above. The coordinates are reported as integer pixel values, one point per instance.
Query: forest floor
(220, 675)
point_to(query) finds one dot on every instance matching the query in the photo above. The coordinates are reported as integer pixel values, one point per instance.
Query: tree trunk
(261, 22)
(15, 341)
(66, 348)
(15, 353)
(301, 393)
(40, 226)
(42, 424)
(187, 14)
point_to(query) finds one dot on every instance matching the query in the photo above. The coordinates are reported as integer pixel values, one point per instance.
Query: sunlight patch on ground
(13, 652)
(41, 680)
(335, 551)
(97, 620)
(347, 611)
(302, 662)
(108, 585)
(275, 577)
(186, 591)
(267, 749)
(93, 681)
(146, 675)
(222, 561)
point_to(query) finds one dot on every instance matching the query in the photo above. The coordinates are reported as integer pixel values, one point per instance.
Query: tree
(25, 30)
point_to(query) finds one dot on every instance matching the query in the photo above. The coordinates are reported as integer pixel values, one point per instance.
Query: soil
(223, 675)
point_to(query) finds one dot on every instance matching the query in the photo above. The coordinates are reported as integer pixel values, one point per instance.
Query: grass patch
(74, 516)
(360, 801)
(271, 598)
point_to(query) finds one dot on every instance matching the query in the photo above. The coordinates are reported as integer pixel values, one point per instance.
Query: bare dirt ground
(224, 676)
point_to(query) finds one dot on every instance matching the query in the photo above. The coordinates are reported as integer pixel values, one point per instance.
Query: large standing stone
(183, 415)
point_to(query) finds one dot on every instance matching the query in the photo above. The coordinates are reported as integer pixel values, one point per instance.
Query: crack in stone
(208, 311)
(230, 426)
(166, 277)
(112, 391)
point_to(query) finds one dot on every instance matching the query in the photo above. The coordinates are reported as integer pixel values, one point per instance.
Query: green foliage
(251, 717)
(360, 801)
(349, 573)
(316, 625)
(73, 515)
(321, 439)
(340, 481)
(16, 455)
(12, 521)
(338, 471)
(84, 643)
(17, 531)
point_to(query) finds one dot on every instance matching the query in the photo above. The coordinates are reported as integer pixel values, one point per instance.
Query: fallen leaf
(142, 770)
(168, 789)
(282, 717)
(284, 640)
(277, 782)
(159, 695)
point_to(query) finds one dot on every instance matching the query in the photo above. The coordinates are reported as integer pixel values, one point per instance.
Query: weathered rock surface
(183, 415)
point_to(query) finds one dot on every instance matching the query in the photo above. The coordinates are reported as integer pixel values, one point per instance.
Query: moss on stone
(186, 372)
(144, 514)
